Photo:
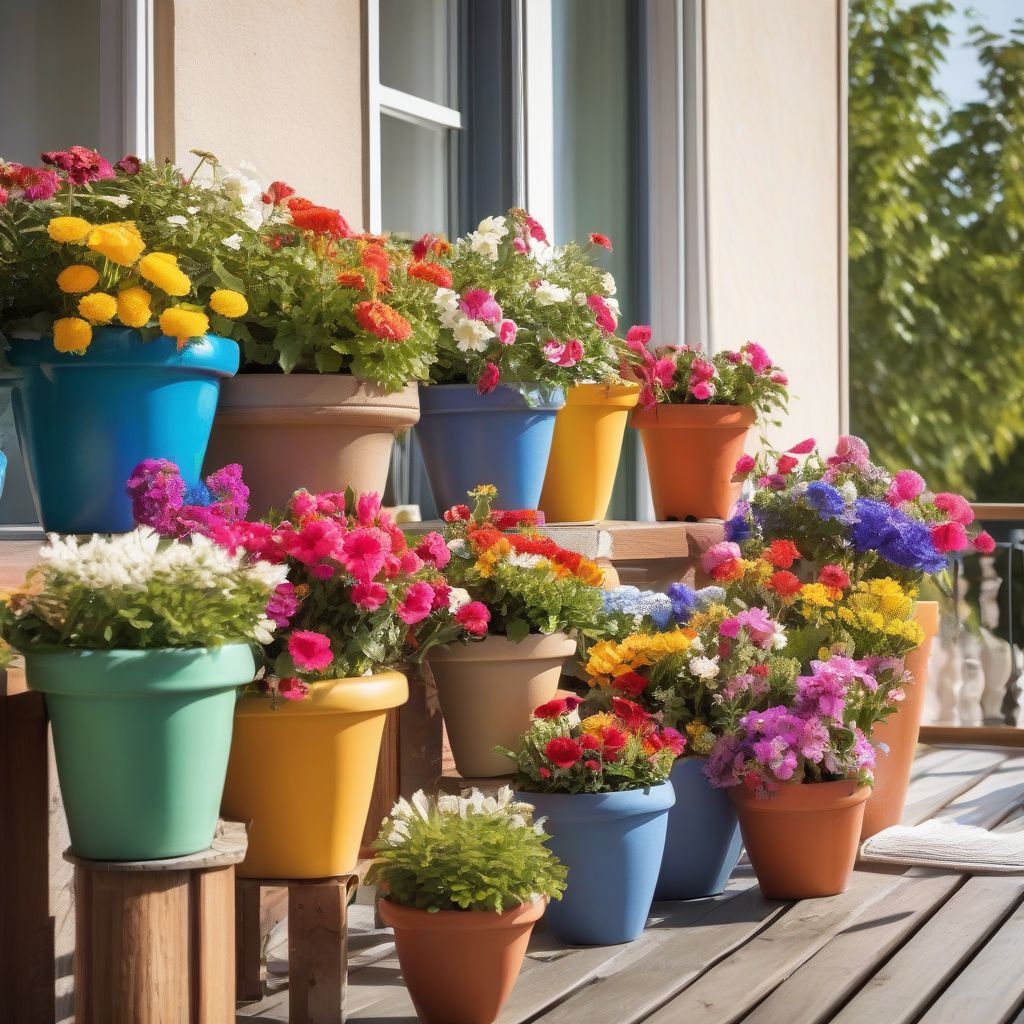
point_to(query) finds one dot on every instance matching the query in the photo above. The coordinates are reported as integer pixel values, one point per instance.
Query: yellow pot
(302, 776)
(585, 452)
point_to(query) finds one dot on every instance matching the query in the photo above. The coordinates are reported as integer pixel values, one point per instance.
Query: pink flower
(36, 183)
(603, 316)
(673, 739)
(473, 618)
(773, 481)
(744, 465)
(323, 571)
(906, 486)
(702, 370)
(129, 165)
(602, 240)
(834, 576)
(507, 331)
(702, 391)
(779, 378)
(647, 399)
(479, 304)
(368, 508)
(729, 628)
(316, 540)
(949, 537)
(292, 688)
(369, 596)
(489, 377)
(984, 544)
(3, 196)
(956, 507)
(850, 452)
(520, 246)
(433, 550)
(363, 551)
(803, 448)
(536, 229)
(758, 357)
(411, 563)
(442, 594)
(417, 603)
(310, 650)
(301, 506)
(637, 337)
(734, 357)
(566, 355)
(723, 551)
(80, 164)
(283, 604)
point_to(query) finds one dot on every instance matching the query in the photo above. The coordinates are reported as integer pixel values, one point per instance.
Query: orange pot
(802, 841)
(460, 965)
(691, 454)
(899, 733)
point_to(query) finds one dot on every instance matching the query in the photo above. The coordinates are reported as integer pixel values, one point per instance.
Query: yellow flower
(816, 595)
(488, 559)
(161, 269)
(483, 491)
(178, 322)
(609, 659)
(77, 278)
(121, 243)
(133, 307)
(228, 303)
(71, 334)
(68, 229)
(593, 725)
(701, 738)
(98, 307)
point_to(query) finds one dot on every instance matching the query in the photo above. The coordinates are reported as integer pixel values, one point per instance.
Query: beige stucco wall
(279, 85)
(775, 213)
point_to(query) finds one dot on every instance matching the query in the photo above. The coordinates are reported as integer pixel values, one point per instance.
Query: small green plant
(465, 853)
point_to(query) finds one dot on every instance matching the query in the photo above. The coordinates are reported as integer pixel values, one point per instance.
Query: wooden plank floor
(898, 946)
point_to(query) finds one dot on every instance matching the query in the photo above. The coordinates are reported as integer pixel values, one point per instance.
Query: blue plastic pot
(703, 841)
(500, 438)
(85, 422)
(612, 844)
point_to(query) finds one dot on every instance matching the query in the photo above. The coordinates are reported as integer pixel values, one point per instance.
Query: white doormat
(943, 844)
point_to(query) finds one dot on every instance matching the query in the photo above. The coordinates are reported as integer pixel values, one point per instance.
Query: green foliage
(936, 200)
(465, 853)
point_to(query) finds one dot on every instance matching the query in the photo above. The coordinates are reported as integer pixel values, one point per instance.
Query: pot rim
(449, 399)
(797, 797)
(534, 647)
(692, 416)
(345, 695)
(622, 803)
(614, 396)
(413, 919)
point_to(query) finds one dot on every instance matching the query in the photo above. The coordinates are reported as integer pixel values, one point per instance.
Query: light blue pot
(85, 422)
(469, 439)
(612, 844)
(703, 842)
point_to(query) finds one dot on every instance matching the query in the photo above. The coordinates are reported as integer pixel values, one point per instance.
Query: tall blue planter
(703, 841)
(85, 422)
(612, 844)
(500, 438)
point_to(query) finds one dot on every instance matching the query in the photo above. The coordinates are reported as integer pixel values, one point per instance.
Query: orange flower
(434, 273)
(381, 319)
(376, 259)
(321, 220)
(351, 279)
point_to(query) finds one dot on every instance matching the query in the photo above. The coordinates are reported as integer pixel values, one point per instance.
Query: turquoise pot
(86, 421)
(141, 740)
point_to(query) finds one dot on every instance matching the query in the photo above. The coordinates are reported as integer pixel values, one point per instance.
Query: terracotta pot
(585, 452)
(488, 691)
(460, 965)
(302, 776)
(899, 733)
(802, 841)
(324, 432)
(691, 454)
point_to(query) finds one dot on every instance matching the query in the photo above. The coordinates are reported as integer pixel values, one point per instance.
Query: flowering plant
(85, 243)
(677, 374)
(464, 853)
(134, 591)
(630, 610)
(325, 299)
(522, 311)
(524, 582)
(851, 513)
(603, 753)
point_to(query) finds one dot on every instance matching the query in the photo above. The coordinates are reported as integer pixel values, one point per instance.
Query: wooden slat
(982, 735)
(933, 791)
(991, 799)
(317, 969)
(214, 931)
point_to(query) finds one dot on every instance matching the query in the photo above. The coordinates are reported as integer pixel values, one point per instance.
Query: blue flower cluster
(825, 500)
(664, 610)
(895, 536)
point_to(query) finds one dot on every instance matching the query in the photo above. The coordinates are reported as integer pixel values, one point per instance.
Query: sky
(959, 78)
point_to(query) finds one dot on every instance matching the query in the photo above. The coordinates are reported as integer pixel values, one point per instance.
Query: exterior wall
(775, 184)
(278, 85)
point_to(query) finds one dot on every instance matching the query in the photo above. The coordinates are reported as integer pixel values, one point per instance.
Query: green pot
(141, 740)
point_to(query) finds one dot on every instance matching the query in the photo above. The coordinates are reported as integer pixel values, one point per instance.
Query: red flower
(129, 165)
(489, 377)
(593, 766)
(563, 752)
(319, 219)
(375, 258)
(602, 240)
(430, 244)
(949, 537)
(781, 553)
(631, 715)
(473, 618)
(292, 688)
(727, 571)
(613, 740)
(786, 464)
(277, 192)
(80, 164)
(760, 670)
(351, 279)
(457, 514)
(744, 464)
(552, 709)
(785, 584)
(834, 576)
(803, 448)
(630, 683)
(544, 773)
(381, 319)
(590, 742)
(433, 273)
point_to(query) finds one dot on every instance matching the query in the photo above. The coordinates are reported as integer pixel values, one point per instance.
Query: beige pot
(488, 691)
(324, 432)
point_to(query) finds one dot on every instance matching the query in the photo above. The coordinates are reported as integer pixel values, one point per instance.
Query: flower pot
(302, 776)
(460, 965)
(500, 438)
(612, 844)
(703, 844)
(802, 841)
(141, 740)
(585, 452)
(691, 454)
(85, 422)
(321, 431)
(488, 691)
(899, 733)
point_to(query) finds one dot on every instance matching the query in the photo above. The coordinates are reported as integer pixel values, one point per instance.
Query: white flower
(192, 209)
(608, 284)
(849, 491)
(484, 244)
(177, 220)
(252, 216)
(459, 548)
(493, 226)
(446, 302)
(524, 561)
(472, 335)
(233, 242)
(457, 598)
(704, 668)
(779, 638)
(580, 298)
(613, 305)
(547, 294)
(121, 200)
(241, 187)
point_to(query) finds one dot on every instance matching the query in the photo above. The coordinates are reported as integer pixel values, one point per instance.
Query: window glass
(415, 175)
(416, 42)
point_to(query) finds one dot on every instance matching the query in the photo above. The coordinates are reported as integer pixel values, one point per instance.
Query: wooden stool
(154, 938)
(317, 944)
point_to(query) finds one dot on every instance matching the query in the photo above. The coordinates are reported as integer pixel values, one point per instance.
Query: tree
(936, 262)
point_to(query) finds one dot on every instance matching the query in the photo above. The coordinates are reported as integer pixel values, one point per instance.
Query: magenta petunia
(417, 603)
(474, 617)
(363, 552)
(368, 508)
(310, 650)
(480, 304)
(948, 537)
(369, 596)
(433, 550)
(489, 377)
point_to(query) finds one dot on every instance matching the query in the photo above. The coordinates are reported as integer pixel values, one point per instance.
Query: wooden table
(898, 946)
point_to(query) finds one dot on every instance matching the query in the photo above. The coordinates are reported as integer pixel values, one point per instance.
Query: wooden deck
(898, 946)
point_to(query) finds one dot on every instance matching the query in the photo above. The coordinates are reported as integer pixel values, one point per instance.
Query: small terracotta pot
(802, 841)
(691, 454)
(321, 431)
(488, 691)
(899, 733)
(460, 966)
(585, 452)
